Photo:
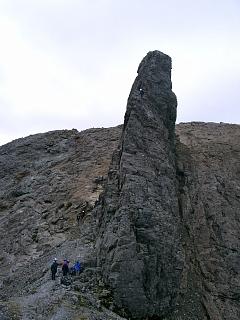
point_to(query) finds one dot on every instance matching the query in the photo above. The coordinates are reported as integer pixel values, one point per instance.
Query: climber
(78, 219)
(141, 92)
(65, 268)
(80, 216)
(77, 267)
(54, 267)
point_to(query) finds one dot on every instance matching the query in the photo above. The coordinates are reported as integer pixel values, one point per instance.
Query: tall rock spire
(139, 239)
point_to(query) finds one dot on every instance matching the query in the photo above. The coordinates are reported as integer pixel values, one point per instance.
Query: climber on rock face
(54, 267)
(80, 216)
(141, 92)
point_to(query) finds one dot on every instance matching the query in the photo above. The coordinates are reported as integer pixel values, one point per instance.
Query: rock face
(158, 208)
(139, 247)
(46, 181)
(209, 196)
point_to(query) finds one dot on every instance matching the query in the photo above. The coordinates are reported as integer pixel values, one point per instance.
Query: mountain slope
(152, 211)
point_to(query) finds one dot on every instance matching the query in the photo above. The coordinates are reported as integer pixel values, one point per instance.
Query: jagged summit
(157, 67)
(158, 100)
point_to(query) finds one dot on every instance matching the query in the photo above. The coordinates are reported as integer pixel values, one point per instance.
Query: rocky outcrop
(151, 210)
(139, 247)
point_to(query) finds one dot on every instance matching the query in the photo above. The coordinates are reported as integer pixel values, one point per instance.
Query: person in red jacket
(65, 268)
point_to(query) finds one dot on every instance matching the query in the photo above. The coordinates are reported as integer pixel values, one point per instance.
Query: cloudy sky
(70, 63)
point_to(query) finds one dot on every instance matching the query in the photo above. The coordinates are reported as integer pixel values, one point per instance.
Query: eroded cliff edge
(163, 239)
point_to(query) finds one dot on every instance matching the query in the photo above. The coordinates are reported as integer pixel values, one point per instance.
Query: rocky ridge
(159, 237)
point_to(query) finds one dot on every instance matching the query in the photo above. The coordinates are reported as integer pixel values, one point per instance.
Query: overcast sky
(70, 63)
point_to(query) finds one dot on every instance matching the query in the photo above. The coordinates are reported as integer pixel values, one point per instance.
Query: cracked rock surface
(139, 249)
(46, 181)
(209, 195)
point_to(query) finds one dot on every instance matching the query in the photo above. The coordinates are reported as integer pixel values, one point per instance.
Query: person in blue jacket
(77, 267)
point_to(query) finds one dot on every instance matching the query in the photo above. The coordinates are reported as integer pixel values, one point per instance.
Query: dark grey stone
(138, 245)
